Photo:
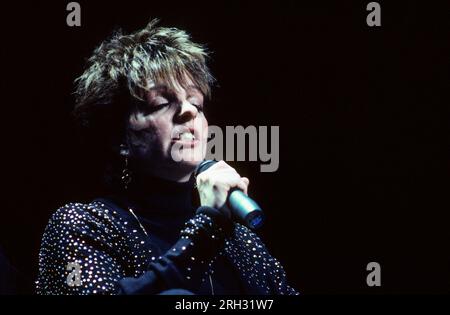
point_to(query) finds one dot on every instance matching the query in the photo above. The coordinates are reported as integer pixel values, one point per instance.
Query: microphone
(242, 207)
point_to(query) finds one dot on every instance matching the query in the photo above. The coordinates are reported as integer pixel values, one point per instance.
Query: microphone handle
(243, 208)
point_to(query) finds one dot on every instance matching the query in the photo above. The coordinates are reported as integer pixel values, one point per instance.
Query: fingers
(228, 177)
(237, 181)
(219, 166)
(246, 183)
(240, 184)
(215, 183)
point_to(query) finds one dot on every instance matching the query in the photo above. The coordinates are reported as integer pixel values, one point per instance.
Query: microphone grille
(204, 165)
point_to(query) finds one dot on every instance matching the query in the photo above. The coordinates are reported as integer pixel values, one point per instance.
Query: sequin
(108, 247)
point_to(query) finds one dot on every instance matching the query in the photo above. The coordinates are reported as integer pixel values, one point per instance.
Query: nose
(186, 112)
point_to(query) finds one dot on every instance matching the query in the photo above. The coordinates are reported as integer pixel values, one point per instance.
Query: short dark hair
(117, 73)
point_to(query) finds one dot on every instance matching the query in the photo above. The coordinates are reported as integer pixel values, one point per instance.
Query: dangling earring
(126, 173)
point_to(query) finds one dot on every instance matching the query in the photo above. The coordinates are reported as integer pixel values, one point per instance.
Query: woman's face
(168, 133)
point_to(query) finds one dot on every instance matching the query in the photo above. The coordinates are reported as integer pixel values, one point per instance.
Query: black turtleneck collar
(154, 196)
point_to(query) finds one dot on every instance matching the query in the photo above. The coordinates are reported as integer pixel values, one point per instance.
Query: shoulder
(76, 227)
(87, 217)
(74, 212)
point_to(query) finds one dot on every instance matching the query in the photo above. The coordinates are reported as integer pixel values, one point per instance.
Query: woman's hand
(214, 184)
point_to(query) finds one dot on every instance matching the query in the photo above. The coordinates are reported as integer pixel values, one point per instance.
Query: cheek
(163, 129)
(146, 132)
(138, 122)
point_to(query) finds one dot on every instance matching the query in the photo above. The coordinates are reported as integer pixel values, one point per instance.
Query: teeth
(187, 136)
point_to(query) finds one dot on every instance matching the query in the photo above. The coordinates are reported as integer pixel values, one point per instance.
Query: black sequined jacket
(151, 242)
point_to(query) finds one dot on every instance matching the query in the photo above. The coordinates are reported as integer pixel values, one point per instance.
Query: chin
(184, 167)
(188, 158)
(189, 163)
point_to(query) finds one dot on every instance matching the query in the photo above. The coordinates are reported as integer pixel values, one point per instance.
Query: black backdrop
(363, 116)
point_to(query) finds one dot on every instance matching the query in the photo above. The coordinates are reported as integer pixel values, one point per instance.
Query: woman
(141, 96)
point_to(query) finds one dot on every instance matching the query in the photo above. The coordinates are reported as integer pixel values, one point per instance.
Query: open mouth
(185, 136)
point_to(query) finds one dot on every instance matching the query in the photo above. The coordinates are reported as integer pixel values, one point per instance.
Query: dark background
(363, 116)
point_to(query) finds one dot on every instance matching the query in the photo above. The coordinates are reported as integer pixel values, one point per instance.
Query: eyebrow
(165, 88)
(193, 87)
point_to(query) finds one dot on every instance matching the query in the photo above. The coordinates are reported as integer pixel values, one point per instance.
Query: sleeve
(83, 254)
(278, 279)
(248, 250)
(79, 253)
(185, 265)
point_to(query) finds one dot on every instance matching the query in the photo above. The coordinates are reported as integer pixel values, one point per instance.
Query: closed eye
(150, 109)
(199, 107)
(162, 105)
